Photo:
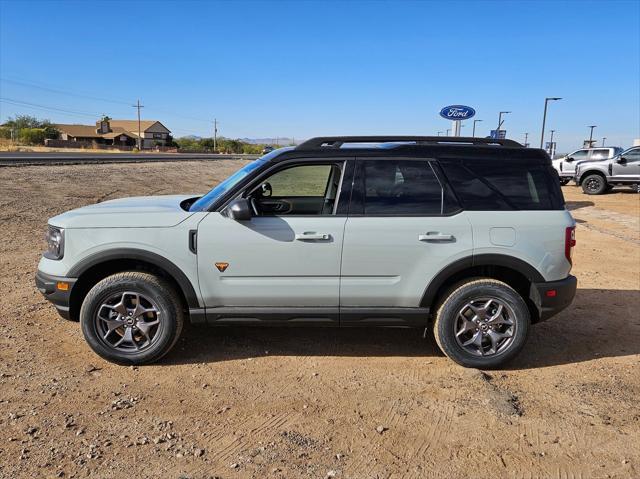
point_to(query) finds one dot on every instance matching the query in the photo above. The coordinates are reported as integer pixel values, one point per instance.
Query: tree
(23, 121)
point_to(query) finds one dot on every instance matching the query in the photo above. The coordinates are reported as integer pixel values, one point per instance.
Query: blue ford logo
(457, 112)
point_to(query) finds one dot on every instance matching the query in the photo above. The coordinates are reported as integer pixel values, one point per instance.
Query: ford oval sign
(457, 112)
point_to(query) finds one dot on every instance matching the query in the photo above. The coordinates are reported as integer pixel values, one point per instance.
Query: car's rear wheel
(594, 185)
(131, 318)
(482, 323)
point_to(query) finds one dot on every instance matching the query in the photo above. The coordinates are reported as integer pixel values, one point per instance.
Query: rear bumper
(552, 297)
(48, 286)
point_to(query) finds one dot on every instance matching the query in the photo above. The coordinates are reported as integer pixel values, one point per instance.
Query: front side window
(631, 155)
(308, 189)
(579, 155)
(308, 180)
(401, 188)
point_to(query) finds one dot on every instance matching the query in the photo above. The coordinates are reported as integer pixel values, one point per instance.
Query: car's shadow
(575, 205)
(600, 323)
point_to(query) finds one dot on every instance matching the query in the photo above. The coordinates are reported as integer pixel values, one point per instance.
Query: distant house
(117, 133)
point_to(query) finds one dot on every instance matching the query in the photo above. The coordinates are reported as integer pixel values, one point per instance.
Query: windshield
(205, 202)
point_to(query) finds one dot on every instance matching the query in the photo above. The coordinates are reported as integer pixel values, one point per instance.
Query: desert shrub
(32, 136)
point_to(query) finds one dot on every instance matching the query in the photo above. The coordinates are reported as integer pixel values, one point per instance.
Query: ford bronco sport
(466, 237)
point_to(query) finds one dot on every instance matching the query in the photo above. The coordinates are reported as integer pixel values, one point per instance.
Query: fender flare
(137, 254)
(489, 259)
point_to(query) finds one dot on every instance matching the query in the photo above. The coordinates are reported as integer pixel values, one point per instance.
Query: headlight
(55, 242)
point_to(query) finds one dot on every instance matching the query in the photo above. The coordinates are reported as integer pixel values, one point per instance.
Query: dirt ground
(289, 403)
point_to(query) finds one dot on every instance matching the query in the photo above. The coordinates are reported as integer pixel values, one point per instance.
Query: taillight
(569, 242)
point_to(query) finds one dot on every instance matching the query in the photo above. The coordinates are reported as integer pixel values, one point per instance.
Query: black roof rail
(338, 141)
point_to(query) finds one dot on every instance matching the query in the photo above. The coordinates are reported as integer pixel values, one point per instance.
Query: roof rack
(338, 141)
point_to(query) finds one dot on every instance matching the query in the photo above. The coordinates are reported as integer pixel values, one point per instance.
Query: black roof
(441, 147)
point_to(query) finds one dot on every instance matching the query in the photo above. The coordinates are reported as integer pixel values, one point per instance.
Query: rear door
(403, 228)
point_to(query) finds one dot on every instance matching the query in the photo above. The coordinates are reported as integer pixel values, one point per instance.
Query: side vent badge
(222, 267)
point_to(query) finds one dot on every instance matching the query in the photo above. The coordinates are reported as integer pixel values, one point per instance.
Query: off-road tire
(594, 185)
(162, 294)
(447, 313)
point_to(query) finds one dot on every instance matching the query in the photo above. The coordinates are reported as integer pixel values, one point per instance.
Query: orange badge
(222, 267)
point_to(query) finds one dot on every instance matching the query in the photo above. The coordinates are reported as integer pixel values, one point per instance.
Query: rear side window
(500, 185)
(600, 154)
(401, 187)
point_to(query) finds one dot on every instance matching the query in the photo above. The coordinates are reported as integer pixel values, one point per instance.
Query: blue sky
(301, 69)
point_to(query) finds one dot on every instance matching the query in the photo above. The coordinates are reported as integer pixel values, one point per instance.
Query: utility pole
(138, 106)
(526, 137)
(215, 135)
(591, 135)
(603, 139)
(474, 128)
(500, 122)
(544, 117)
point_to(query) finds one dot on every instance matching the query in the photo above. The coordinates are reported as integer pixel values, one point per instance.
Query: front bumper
(553, 296)
(48, 286)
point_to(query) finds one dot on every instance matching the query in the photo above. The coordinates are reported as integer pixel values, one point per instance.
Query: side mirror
(569, 159)
(622, 160)
(240, 210)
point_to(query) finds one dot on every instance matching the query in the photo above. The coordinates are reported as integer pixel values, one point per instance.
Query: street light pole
(551, 143)
(603, 138)
(448, 131)
(474, 128)
(544, 116)
(591, 135)
(500, 121)
(526, 137)
(439, 133)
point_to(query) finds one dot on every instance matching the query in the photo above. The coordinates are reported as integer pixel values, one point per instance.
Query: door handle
(436, 236)
(312, 236)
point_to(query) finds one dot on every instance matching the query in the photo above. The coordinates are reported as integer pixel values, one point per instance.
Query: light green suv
(466, 237)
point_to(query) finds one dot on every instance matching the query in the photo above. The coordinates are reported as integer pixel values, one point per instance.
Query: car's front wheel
(482, 323)
(131, 318)
(594, 185)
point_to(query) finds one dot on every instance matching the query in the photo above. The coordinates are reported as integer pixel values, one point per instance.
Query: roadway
(23, 158)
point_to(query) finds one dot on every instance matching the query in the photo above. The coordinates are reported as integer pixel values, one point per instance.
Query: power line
(92, 97)
(48, 108)
(76, 113)
(63, 92)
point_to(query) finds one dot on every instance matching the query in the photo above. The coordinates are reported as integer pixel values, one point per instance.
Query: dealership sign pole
(457, 113)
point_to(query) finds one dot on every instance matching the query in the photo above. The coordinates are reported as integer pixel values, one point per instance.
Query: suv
(566, 166)
(597, 177)
(468, 237)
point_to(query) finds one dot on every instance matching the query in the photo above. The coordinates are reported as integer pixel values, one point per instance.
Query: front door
(285, 261)
(569, 164)
(627, 167)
